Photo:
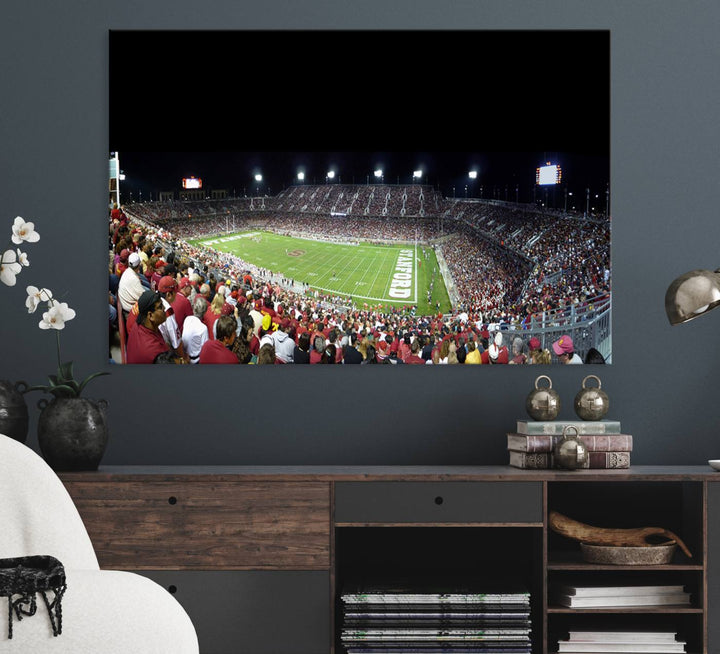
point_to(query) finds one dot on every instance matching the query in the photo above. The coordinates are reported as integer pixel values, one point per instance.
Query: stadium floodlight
(301, 176)
(417, 174)
(331, 174)
(691, 295)
(258, 177)
(472, 174)
(378, 173)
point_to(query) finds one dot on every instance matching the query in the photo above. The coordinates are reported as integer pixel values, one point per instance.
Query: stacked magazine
(582, 597)
(597, 642)
(402, 621)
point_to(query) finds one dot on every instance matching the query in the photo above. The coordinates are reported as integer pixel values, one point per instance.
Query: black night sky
(218, 106)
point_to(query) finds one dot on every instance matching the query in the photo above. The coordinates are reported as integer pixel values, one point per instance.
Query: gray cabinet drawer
(442, 501)
(254, 611)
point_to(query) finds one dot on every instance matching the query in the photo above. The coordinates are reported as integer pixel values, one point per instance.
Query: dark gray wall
(665, 160)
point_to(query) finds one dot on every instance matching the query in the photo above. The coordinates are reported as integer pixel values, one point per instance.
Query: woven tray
(623, 555)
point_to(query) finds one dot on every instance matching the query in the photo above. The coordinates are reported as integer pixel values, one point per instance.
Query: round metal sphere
(591, 403)
(570, 453)
(543, 403)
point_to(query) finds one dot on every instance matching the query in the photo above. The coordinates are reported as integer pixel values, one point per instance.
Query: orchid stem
(57, 333)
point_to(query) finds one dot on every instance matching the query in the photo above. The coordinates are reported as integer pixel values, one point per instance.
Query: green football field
(370, 274)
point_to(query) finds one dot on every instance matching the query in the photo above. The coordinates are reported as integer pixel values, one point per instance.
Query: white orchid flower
(56, 316)
(22, 258)
(23, 231)
(9, 267)
(36, 296)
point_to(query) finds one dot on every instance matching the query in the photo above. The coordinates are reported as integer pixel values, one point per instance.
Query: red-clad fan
(145, 343)
(219, 350)
(181, 305)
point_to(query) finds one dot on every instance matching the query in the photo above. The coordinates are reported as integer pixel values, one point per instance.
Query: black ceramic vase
(13, 410)
(72, 433)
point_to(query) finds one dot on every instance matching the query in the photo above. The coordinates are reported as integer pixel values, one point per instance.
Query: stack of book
(582, 597)
(649, 642)
(392, 621)
(532, 444)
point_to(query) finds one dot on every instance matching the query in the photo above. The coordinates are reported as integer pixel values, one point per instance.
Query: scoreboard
(191, 182)
(548, 174)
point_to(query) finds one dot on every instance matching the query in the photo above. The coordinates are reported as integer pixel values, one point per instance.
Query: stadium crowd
(180, 303)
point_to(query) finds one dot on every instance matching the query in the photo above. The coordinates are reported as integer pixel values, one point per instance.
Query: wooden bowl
(622, 555)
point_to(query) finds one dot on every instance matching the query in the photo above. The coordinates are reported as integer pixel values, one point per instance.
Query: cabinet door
(257, 612)
(144, 524)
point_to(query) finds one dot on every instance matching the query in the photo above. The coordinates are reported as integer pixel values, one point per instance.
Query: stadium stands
(512, 268)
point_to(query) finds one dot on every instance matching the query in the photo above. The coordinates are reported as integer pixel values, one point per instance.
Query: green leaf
(37, 388)
(88, 379)
(63, 391)
(58, 390)
(65, 371)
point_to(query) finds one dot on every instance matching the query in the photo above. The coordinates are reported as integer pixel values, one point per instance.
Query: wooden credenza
(259, 556)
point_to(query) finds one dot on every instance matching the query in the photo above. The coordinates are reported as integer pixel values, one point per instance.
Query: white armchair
(103, 611)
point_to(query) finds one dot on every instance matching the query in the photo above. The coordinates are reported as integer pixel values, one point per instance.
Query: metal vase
(72, 433)
(13, 410)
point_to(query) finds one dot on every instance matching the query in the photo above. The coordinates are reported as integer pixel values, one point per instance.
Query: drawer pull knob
(172, 588)
(172, 500)
(439, 500)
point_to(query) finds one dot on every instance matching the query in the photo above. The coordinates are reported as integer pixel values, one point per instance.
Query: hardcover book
(601, 591)
(555, 427)
(449, 634)
(624, 636)
(439, 648)
(546, 442)
(657, 599)
(624, 648)
(545, 460)
(436, 598)
(530, 460)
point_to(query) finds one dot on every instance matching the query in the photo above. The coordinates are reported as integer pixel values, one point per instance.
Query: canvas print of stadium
(341, 249)
(395, 271)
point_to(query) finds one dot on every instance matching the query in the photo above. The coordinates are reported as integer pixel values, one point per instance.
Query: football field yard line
(377, 274)
(347, 261)
(343, 259)
(389, 251)
(340, 259)
(360, 261)
(368, 268)
(350, 259)
(340, 256)
(390, 257)
(317, 254)
(319, 260)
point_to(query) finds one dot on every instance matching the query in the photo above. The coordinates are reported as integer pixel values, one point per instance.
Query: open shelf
(678, 507)
(626, 609)
(485, 559)
(572, 560)
(688, 625)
